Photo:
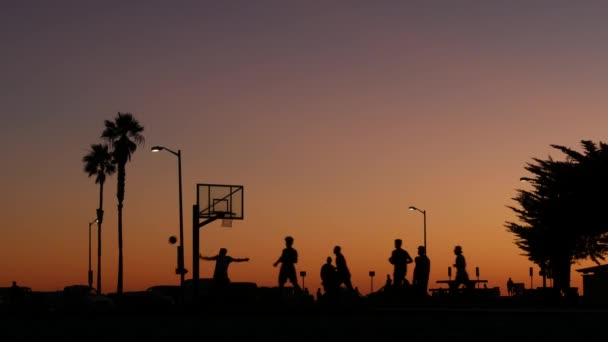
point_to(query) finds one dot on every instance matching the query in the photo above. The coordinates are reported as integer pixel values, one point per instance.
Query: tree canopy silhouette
(563, 218)
(123, 134)
(98, 162)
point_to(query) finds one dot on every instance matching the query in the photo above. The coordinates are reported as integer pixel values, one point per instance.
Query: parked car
(172, 292)
(82, 298)
(15, 298)
(143, 302)
(47, 301)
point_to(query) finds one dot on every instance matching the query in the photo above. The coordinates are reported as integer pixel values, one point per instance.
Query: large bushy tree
(564, 217)
(123, 134)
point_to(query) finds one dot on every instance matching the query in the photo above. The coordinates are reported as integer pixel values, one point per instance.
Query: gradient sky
(334, 115)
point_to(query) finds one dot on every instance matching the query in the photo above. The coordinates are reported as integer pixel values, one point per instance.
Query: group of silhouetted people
(400, 258)
(287, 259)
(334, 276)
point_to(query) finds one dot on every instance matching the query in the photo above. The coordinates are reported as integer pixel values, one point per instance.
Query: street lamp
(180, 249)
(90, 274)
(424, 214)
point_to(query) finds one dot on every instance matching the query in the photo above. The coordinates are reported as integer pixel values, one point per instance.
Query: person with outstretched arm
(222, 261)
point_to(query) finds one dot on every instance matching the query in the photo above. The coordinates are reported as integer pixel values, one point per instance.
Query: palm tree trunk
(99, 255)
(120, 194)
(120, 261)
(99, 222)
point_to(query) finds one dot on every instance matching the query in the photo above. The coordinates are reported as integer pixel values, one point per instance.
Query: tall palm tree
(98, 162)
(123, 134)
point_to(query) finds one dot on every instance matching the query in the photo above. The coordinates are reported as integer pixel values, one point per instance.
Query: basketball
(172, 239)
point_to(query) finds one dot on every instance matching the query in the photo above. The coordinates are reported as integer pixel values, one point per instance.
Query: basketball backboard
(220, 200)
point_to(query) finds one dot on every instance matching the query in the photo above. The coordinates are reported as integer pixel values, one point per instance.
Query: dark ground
(371, 325)
(264, 315)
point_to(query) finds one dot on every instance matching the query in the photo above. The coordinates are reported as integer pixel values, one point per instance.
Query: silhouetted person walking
(222, 261)
(288, 260)
(399, 258)
(462, 277)
(329, 277)
(342, 272)
(422, 270)
(510, 286)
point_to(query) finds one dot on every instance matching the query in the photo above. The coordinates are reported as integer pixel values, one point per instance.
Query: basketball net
(227, 223)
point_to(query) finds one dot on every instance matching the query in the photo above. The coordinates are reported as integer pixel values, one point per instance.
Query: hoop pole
(195, 252)
(196, 225)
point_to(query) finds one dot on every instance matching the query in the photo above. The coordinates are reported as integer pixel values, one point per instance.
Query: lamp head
(157, 148)
(412, 208)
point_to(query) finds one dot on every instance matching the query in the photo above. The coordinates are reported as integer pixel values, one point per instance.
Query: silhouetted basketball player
(342, 272)
(328, 277)
(288, 260)
(422, 269)
(399, 258)
(462, 277)
(222, 261)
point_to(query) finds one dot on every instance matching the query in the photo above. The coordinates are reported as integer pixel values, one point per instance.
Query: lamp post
(371, 276)
(180, 248)
(90, 274)
(423, 214)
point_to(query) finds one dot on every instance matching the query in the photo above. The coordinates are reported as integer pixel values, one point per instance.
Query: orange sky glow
(334, 117)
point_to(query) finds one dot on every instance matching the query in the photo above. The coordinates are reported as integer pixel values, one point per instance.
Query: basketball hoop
(227, 223)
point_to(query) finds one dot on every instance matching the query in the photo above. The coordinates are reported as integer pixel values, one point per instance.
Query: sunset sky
(335, 116)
